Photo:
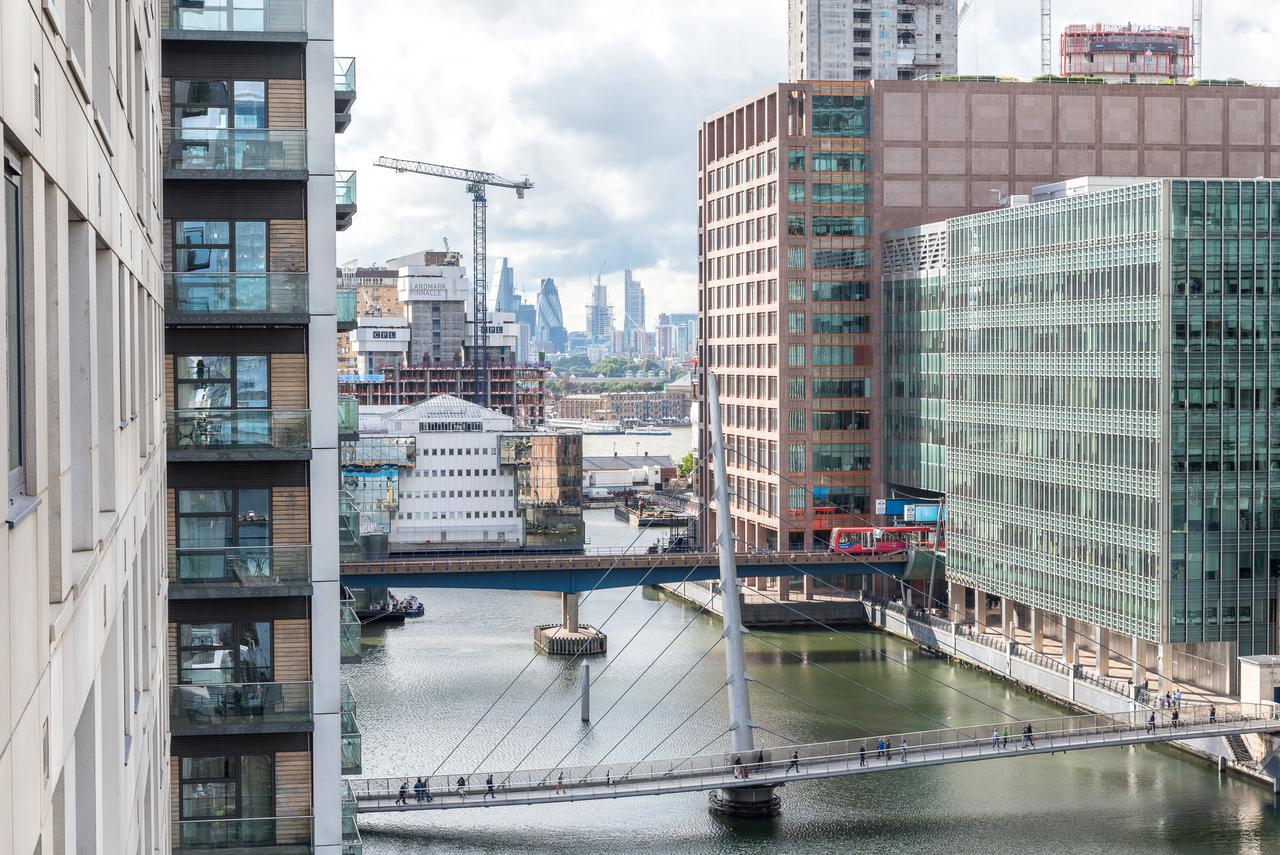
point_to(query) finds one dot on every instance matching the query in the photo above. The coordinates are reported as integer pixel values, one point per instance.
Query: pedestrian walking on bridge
(1151, 723)
(904, 749)
(862, 755)
(488, 788)
(795, 759)
(1213, 714)
(404, 794)
(462, 787)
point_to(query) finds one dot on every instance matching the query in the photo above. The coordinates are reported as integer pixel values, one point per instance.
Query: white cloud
(599, 102)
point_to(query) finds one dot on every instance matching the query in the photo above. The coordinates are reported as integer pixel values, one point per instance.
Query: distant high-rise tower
(633, 306)
(600, 314)
(506, 289)
(551, 331)
(870, 39)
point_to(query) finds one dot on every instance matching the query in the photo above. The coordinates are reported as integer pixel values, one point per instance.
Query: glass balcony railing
(262, 151)
(351, 843)
(344, 74)
(196, 708)
(203, 17)
(268, 835)
(239, 434)
(350, 633)
(346, 308)
(223, 571)
(345, 188)
(351, 756)
(203, 297)
(348, 415)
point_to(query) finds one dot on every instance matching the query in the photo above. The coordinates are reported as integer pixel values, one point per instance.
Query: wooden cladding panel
(293, 783)
(286, 103)
(173, 657)
(171, 515)
(290, 516)
(168, 243)
(287, 240)
(289, 381)
(168, 383)
(292, 639)
(166, 104)
(175, 793)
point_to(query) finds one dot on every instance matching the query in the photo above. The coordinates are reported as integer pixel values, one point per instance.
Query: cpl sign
(385, 334)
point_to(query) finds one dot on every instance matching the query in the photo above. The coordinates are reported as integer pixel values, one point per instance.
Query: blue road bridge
(570, 573)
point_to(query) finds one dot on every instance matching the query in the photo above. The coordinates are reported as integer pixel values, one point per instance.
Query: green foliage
(685, 466)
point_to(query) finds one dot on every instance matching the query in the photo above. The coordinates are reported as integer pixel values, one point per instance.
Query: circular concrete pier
(556, 640)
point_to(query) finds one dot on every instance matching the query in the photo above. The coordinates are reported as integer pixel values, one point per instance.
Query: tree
(685, 466)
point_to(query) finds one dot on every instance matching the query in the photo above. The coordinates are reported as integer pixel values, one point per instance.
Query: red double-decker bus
(881, 541)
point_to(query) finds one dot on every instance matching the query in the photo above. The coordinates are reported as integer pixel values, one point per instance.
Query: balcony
(272, 835)
(349, 638)
(239, 708)
(351, 758)
(351, 843)
(237, 298)
(348, 418)
(346, 309)
(345, 197)
(344, 91)
(240, 571)
(196, 435)
(235, 20)
(266, 153)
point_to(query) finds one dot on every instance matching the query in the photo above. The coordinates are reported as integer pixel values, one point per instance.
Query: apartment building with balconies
(251, 97)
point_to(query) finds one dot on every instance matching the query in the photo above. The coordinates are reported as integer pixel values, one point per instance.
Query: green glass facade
(1085, 474)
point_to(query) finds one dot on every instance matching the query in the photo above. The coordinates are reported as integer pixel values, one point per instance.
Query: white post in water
(753, 801)
(586, 691)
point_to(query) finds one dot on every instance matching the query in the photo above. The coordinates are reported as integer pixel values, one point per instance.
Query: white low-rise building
(457, 493)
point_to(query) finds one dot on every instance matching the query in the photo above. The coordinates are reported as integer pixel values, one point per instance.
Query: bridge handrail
(1061, 730)
(429, 562)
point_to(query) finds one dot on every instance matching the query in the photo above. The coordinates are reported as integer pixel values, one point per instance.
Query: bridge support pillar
(1037, 630)
(1008, 619)
(955, 602)
(784, 588)
(806, 586)
(1101, 655)
(569, 612)
(746, 802)
(979, 609)
(1068, 640)
(570, 637)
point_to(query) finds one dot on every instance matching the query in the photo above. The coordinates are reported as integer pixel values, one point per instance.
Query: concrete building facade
(83, 702)
(1127, 53)
(251, 204)
(797, 183)
(871, 39)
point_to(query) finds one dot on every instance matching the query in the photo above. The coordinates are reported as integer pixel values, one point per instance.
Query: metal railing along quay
(239, 707)
(817, 760)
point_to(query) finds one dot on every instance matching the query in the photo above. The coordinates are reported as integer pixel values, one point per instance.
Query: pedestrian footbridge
(774, 766)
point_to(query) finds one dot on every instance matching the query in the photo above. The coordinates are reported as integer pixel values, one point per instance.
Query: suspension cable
(812, 706)
(672, 732)
(536, 655)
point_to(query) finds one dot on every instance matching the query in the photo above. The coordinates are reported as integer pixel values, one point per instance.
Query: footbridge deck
(814, 761)
(576, 572)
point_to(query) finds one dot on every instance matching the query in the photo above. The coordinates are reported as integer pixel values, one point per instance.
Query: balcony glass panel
(201, 294)
(344, 73)
(351, 842)
(239, 567)
(219, 705)
(345, 188)
(346, 305)
(236, 150)
(350, 633)
(222, 431)
(238, 16)
(348, 415)
(261, 836)
(351, 756)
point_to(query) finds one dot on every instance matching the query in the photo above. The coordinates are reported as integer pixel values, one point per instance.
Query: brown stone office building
(795, 186)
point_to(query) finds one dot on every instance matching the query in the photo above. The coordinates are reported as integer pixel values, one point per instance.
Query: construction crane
(1046, 36)
(475, 181)
(1197, 27)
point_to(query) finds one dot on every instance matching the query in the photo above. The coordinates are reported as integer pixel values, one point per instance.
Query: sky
(598, 103)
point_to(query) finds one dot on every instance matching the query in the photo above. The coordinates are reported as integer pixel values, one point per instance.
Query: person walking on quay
(488, 788)
(560, 783)
(404, 794)
(418, 787)
(1213, 714)
(795, 759)
(462, 787)
(862, 755)
(904, 749)
(1151, 723)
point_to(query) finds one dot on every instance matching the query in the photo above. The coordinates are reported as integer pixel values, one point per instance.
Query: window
(219, 104)
(840, 161)
(797, 498)
(795, 387)
(795, 290)
(795, 191)
(222, 382)
(795, 224)
(839, 194)
(795, 420)
(841, 387)
(15, 367)
(840, 226)
(225, 788)
(841, 324)
(841, 115)
(841, 291)
(217, 530)
(795, 457)
(826, 354)
(218, 247)
(841, 419)
(795, 323)
(795, 355)
(232, 652)
(841, 456)
(795, 158)
(795, 257)
(841, 259)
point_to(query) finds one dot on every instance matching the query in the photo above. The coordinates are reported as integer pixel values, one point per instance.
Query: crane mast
(475, 181)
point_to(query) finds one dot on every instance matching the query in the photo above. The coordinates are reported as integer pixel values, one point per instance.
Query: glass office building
(1113, 408)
